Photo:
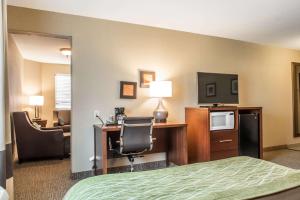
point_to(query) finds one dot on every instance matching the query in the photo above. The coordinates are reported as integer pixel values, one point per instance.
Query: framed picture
(234, 87)
(146, 77)
(128, 90)
(211, 90)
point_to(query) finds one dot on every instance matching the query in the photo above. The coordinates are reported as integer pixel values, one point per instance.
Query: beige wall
(31, 83)
(48, 72)
(38, 79)
(15, 64)
(31, 78)
(106, 52)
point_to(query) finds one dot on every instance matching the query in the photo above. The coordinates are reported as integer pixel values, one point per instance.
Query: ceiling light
(66, 51)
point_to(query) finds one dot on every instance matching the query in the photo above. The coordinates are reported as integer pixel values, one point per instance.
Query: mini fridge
(249, 135)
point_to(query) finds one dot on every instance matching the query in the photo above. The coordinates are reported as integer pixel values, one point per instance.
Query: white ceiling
(42, 49)
(275, 22)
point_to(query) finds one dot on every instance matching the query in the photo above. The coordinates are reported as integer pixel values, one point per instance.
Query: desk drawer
(222, 141)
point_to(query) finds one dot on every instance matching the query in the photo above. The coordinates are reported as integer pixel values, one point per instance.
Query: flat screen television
(214, 88)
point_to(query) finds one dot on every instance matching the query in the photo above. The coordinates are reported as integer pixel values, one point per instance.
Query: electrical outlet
(96, 113)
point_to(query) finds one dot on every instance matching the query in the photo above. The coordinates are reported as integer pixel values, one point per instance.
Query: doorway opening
(296, 98)
(39, 81)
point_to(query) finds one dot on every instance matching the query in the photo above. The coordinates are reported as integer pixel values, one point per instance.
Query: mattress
(228, 179)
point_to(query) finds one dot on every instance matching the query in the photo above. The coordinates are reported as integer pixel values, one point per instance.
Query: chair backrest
(64, 115)
(24, 131)
(23, 126)
(136, 135)
(27, 115)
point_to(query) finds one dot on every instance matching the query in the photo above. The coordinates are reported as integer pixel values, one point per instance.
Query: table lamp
(160, 89)
(36, 101)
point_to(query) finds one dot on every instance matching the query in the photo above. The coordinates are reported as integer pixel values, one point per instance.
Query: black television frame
(232, 77)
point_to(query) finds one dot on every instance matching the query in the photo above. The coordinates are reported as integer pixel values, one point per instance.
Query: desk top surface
(155, 125)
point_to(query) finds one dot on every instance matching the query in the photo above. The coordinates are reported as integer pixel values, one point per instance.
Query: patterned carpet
(51, 179)
(285, 157)
(42, 180)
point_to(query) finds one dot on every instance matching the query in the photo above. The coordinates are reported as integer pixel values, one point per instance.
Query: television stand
(206, 145)
(216, 105)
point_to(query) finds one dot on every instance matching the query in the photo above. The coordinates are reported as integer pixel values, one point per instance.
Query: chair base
(131, 160)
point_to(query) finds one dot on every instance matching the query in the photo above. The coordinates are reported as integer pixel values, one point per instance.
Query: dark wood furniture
(206, 145)
(41, 122)
(171, 137)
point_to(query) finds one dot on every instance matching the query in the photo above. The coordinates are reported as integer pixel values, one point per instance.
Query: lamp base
(160, 114)
(160, 120)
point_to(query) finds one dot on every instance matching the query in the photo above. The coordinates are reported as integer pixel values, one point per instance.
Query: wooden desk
(171, 137)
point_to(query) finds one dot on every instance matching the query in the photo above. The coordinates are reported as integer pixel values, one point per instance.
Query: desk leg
(177, 150)
(104, 152)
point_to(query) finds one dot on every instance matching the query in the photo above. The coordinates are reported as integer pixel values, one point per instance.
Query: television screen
(217, 88)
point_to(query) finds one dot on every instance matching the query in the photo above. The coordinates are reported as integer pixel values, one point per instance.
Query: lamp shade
(36, 100)
(161, 89)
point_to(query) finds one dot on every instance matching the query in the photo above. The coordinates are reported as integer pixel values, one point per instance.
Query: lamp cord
(102, 123)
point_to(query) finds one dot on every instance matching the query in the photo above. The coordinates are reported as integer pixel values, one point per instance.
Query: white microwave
(221, 120)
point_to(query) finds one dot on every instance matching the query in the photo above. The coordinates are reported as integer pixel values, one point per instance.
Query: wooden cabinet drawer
(223, 141)
(224, 154)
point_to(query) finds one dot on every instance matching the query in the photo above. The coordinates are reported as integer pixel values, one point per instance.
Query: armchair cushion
(36, 125)
(61, 121)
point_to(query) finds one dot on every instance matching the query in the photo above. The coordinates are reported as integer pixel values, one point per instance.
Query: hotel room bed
(228, 179)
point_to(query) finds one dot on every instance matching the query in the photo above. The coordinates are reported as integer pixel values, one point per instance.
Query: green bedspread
(233, 178)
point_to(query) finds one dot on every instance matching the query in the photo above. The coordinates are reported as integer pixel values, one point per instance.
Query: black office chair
(135, 138)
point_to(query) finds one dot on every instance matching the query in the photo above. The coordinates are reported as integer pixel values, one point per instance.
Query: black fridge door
(249, 135)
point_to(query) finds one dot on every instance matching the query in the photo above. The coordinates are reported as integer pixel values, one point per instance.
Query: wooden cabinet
(222, 141)
(206, 145)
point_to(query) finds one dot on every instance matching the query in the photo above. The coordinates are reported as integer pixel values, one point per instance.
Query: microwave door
(218, 121)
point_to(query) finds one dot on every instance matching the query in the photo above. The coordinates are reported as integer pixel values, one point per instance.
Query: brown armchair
(33, 143)
(62, 119)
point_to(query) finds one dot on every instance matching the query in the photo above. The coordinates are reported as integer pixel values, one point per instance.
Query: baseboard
(293, 145)
(137, 167)
(274, 148)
